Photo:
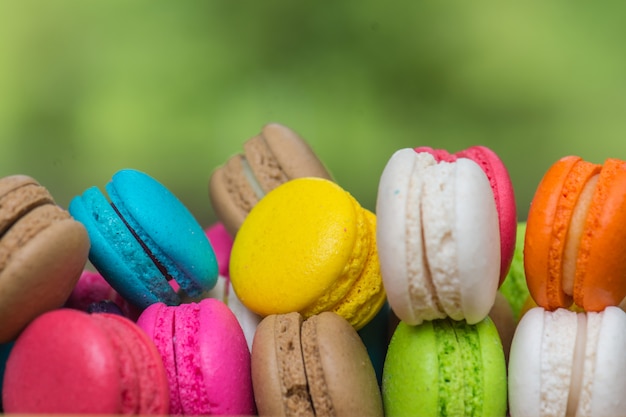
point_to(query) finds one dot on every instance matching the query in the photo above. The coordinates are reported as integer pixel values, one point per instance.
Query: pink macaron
(206, 357)
(222, 243)
(71, 362)
(503, 194)
(93, 288)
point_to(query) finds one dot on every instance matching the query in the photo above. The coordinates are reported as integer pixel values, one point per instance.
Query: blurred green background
(175, 88)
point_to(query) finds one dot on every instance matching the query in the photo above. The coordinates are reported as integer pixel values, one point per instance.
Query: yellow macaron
(308, 246)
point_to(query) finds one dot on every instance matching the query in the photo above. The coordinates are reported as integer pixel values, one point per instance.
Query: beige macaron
(314, 367)
(42, 253)
(274, 156)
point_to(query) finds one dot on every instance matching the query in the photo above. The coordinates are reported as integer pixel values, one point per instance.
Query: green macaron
(514, 287)
(445, 368)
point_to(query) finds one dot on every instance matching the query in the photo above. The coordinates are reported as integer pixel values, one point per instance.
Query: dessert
(308, 246)
(503, 194)
(271, 158)
(445, 367)
(567, 363)
(438, 238)
(313, 367)
(71, 362)
(514, 287)
(93, 288)
(574, 235)
(42, 253)
(143, 238)
(205, 355)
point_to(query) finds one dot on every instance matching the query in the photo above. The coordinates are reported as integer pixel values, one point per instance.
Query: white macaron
(438, 238)
(564, 363)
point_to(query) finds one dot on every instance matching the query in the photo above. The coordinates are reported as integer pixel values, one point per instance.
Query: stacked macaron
(446, 236)
(567, 355)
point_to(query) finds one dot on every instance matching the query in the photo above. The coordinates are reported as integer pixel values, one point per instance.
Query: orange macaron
(575, 235)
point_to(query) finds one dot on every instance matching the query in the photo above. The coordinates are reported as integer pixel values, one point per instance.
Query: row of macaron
(438, 248)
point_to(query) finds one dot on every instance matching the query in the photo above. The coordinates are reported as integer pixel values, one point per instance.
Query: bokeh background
(175, 88)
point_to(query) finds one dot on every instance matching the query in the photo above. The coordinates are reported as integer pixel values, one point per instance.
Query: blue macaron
(143, 238)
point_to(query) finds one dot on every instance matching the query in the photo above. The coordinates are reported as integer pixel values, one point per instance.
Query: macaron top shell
(42, 253)
(304, 247)
(269, 159)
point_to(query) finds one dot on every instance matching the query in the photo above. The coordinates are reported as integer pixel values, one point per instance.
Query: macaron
(223, 291)
(503, 193)
(274, 156)
(308, 246)
(222, 244)
(206, 357)
(71, 362)
(514, 288)
(438, 238)
(313, 367)
(42, 253)
(574, 233)
(93, 288)
(567, 363)
(445, 367)
(143, 238)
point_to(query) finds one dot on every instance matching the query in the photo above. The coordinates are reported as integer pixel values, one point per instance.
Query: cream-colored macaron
(438, 238)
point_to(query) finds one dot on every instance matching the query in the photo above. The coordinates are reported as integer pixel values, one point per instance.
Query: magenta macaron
(206, 357)
(70, 362)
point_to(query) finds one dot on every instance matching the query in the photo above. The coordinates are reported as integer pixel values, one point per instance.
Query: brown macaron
(314, 367)
(273, 157)
(42, 253)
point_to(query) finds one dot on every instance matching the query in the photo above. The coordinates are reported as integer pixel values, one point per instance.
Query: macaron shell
(609, 379)
(167, 227)
(224, 361)
(600, 269)
(524, 368)
(478, 238)
(340, 375)
(504, 195)
(40, 272)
